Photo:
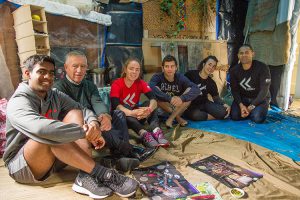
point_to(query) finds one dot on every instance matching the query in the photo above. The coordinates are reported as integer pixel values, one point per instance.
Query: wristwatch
(251, 106)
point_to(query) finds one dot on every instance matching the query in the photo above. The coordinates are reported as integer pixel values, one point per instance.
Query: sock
(99, 171)
(156, 129)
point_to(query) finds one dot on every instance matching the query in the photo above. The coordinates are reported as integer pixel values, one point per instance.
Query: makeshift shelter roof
(67, 10)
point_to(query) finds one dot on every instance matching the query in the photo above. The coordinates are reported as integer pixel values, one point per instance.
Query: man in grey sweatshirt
(46, 131)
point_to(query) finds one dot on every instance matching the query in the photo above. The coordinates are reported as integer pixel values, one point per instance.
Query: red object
(209, 196)
(129, 96)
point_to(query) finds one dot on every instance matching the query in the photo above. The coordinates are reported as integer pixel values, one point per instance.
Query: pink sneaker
(160, 138)
(149, 141)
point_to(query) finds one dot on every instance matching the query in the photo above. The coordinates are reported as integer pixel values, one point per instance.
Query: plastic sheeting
(280, 133)
(67, 34)
(231, 22)
(124, 37)
(67, 10)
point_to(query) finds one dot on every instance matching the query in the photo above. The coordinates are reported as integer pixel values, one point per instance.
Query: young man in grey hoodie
(45, 131)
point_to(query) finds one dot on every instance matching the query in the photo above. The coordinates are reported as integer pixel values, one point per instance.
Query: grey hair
(74, 53)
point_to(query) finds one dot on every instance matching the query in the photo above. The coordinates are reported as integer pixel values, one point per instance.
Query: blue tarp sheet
(280, 133)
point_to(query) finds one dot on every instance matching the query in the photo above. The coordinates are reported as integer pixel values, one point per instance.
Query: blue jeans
(257, 115)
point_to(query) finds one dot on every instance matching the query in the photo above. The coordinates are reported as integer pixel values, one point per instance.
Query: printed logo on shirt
(48, 114)
(245, 84)
(268, 80)
(129, 100)
(201, 88)
(169, 89)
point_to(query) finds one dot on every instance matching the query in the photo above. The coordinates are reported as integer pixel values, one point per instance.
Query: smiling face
(132, 70)
(76, 66)
(41, 78)
(169, 69)
(209, 67)
(245, 55)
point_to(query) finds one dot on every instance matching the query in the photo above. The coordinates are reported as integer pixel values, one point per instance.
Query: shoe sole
(126, 195)
(82, 190)
(127, 164)
(164, 145)
(156, 148)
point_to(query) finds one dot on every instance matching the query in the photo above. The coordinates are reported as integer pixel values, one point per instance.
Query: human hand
(176, 101)
(142, 112)
(244, 111)
(105, 122)
(92, 131)
(227, 108)
(98, 143)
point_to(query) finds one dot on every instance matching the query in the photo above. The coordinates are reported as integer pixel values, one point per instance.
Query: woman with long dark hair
(202, 108)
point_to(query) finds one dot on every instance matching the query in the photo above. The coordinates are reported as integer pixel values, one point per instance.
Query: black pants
(200, 112)
(117, 139)
(137, 125)
(257, 115)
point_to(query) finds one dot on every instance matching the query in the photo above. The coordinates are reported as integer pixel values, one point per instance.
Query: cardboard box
(31, 28)
(25, 55)
(25, 12)
(33, 42)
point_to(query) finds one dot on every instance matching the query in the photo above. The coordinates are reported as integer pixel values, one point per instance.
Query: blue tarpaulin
(280, 133)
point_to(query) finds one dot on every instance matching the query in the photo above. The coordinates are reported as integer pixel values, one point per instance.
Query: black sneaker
(85, 184)
(121, 185)
(142, 153)
(121, 164)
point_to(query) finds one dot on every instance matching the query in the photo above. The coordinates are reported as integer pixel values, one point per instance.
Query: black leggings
(117, 139)
(137, 125)
(200, 112)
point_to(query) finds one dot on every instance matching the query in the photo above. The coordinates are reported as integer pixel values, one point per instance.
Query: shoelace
(148, 137)
(117, 179)
(158, 134)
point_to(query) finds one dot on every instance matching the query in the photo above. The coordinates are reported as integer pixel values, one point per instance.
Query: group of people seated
(48, 129)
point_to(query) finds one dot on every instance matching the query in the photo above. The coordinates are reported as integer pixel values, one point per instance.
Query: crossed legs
(175, 113)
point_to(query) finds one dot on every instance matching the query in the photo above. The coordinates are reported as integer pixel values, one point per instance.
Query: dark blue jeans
(257, 115)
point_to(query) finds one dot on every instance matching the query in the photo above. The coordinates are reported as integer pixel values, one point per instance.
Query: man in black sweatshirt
(250, 81)
(174, 92)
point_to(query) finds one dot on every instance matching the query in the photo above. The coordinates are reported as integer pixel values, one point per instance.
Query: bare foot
(181, 121)
(169, 123)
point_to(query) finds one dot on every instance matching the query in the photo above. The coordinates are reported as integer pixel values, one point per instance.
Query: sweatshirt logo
(48, 114)
(129, 99)
(201, 88)
(245, 84)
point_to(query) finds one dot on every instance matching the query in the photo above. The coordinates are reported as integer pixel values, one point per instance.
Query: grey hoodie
(29, 116)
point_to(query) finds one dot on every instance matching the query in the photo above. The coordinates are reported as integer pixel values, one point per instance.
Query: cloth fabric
(257, 115)
(3, 104)
(86, 93)
(21, 172)
(137, 125)
(128, 96)
(165, 90)
(253, 83)
(28, 116)
(206, 86)
(199, 112)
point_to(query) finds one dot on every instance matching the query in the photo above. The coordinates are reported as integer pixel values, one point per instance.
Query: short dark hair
(202, 63)
(169, 58)
(246, 45)
(31, 61)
